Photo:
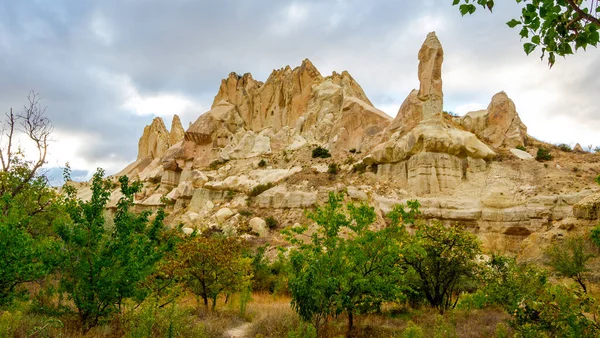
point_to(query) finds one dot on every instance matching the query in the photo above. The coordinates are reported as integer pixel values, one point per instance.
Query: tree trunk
(350, 322)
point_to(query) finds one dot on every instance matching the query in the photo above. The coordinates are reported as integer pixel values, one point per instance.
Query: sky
(105, 69)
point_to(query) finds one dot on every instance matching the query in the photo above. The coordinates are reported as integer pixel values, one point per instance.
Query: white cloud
(161, 104)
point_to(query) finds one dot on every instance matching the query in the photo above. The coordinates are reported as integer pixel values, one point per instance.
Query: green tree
(103, 264)
(27, 203)
(559, 27)
(557, 311)
(211, 266)
(569, 258)
(507, 283)
(444, 260)
(346, 266)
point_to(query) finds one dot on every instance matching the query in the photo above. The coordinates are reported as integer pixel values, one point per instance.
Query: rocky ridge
(249, 157)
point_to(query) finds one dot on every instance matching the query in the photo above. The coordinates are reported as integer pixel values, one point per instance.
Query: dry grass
(269, 316)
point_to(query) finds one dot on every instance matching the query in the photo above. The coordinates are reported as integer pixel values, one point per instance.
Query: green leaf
(513, 23)
(524, 32)
(529, 47)
(467, 9)
(455, 2)
(551, 59)
(535, 39)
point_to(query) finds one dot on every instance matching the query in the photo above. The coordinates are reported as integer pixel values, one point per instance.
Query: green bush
(245, 213)
(557, 311)
(360, 168)
(271, 222)
(412, 330)
(565, 147)
(520, 147)
(543, 154)
(507, 283)
(259, 189)
(570, 258)
(320, 152)
(268, 276)
(262, 163)
(333, 168)
(352, 151)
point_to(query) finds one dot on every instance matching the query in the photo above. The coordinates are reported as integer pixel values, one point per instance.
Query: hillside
(250, 157)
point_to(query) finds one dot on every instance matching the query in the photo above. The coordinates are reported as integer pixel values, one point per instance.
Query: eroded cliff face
(252, 151)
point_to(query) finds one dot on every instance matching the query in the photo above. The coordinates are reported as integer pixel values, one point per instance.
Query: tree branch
(583, 14)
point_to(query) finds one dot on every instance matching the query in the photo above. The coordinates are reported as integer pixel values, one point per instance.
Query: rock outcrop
(499, 125)
(154, 141)
(432, 151)
(249, 158)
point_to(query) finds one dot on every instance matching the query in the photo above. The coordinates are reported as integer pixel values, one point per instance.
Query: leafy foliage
(520, 147)
(271, 222)
(210, 266)
(507, 283)
(565, 147)
(27, 210)
(444, 260)
(569, 258)
(558, 311)
(543, 154)
(333, 168)
(268, 276)
(559, 27)
(320, 152)
(346, 266)
(105, 265)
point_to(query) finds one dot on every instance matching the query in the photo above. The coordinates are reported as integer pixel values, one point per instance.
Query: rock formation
(499, 125)
(154, 141)
(250, 154)
(432, 154)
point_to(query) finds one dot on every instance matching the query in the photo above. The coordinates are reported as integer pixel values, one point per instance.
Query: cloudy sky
(105, 68)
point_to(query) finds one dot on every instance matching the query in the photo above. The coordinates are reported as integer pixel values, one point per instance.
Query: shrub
(412, 330)
(245, 213)
(271, 222)
(259, 189)
(360, 168)
(268, 276)
(565, 147)
(597, 150)
(520, 147)
(543, 154)
(320, 152)
(597, 179)
(569, 258)
(507, 283)
(216, 164)
(353, 150)
(333, 168)
(262, 163)
(557, 311)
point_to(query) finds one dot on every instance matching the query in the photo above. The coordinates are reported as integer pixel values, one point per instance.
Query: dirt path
(238, 331)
